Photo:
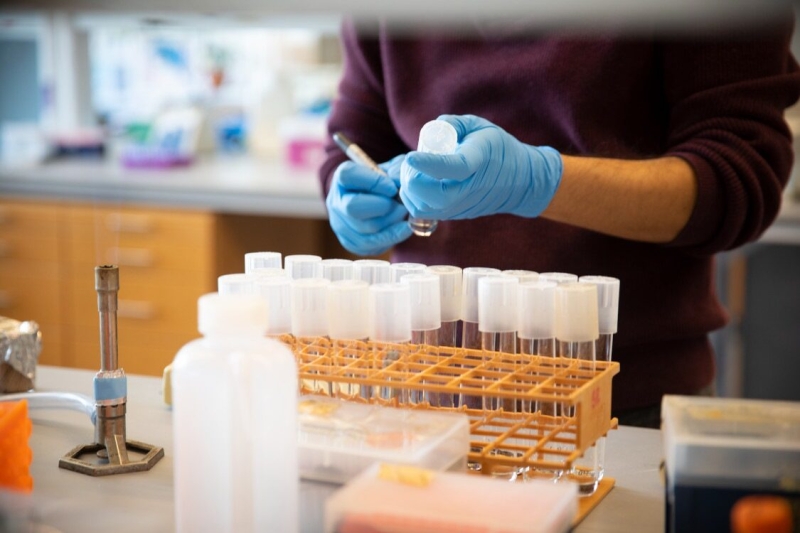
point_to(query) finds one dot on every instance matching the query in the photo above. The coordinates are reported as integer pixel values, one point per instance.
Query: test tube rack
(523, 439)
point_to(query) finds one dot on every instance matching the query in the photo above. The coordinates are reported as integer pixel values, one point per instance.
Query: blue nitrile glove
(363, 208)
(490, 172)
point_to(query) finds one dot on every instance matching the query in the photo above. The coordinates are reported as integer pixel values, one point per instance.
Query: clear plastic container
(392, 498)
(339, 439)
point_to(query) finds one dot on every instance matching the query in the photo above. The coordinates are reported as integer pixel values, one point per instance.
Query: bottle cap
(337, 269)
(310, 307)
(537, 310)
(390, 312)
(425, 301)
(497, 303)
(449, 291)
(303, 266)
(254, 260)
(372, 270)
(231, 314)
(235, 284)
(277, 293)
(607, 301)
(558, 277)
(402, 269)
(576, 312)
(524, 276)
(437, 137)
(348, 309)
(469, 291)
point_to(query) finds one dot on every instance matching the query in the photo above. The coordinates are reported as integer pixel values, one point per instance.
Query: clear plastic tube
(309, 311)
(348, 325)
(55, 400)
(470, 334)
(390, 333)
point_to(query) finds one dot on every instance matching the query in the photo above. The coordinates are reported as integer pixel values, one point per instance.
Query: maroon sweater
(718, 103)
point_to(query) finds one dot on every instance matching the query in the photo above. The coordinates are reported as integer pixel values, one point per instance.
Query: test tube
(337, 269)
(372, 270)
(536, 329)
(435, 137)
(277, 291)
(450, 302)
(255, 260)
(577, 331)
(426, 319)
(301, 266)
(470, 334)
(402, 269)
(524, 276)
(235, 283)
(310, 328)
(348, 327)
(497, 322)
(390, 333)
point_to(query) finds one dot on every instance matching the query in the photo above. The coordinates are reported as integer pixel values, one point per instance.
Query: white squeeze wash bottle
(235, 423)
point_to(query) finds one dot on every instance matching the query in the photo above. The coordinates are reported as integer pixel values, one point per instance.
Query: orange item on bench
(15, 453)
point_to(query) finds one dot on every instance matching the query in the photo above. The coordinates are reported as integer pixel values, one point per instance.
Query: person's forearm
(644, 200)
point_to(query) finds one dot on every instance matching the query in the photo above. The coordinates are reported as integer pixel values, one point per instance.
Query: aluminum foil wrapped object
(20, 345)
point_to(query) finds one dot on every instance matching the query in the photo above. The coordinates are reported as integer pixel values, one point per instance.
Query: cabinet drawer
(30, 297)
(28, 232)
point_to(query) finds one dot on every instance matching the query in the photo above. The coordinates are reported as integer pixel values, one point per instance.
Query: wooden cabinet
(167, 258)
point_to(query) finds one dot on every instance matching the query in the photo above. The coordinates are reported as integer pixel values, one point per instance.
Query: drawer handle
(5, 300)
(136, 310)
(121, 223)
(131, 257)
(5, 250)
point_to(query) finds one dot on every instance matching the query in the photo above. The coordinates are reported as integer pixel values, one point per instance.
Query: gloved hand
(363, 208)
(490, 172)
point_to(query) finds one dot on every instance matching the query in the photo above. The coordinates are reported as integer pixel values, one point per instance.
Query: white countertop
(70, 502)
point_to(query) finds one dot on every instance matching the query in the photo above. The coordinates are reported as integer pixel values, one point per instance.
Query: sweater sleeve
(727, 99)
(360, 110)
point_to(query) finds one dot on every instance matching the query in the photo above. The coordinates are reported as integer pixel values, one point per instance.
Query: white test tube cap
(390, 312)
(348, 309)
(372, 270)
(266, 272)
(277, 293)
(576, 312)
(607, 301)
(403, 269)
(558, 277)
(524, 276)
(235, 283)
(231, 314)
(437, 137)
(449, 291)
(469, 290)
(497, 303)
(255, 260)
(425, 301)
(310, 307)
(337, 269)
(537, 310)
(303, 266)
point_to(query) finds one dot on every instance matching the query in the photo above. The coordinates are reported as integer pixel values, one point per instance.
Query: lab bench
(143, 501)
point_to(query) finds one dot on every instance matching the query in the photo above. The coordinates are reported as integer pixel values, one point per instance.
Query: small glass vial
(348, 327)
(470, 334)
(390, 333)
(426, 319)
(310, 329)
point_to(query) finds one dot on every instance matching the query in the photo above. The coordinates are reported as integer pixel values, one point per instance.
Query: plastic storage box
(339, 439)
(392, 499)
(719, 450)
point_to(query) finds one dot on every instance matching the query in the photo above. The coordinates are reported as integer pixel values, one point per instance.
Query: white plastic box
(721, 449)
(388, 499)
(339, 439)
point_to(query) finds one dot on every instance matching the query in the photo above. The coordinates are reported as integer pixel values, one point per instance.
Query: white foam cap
(254, 260)
(469, 291)
(310, 307)
(607, 301)
(558, 277)
(277, 293)
(403, 269)
(524, 276)
(303, 266)
(372, 270)
(425, 301)
(390, 312)
(348, 309)
(235, 283)
(537, 310)
(437, 137)
(231, 314)
(337, 269)
(497, 303)
(449, 291)
(576, 312)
